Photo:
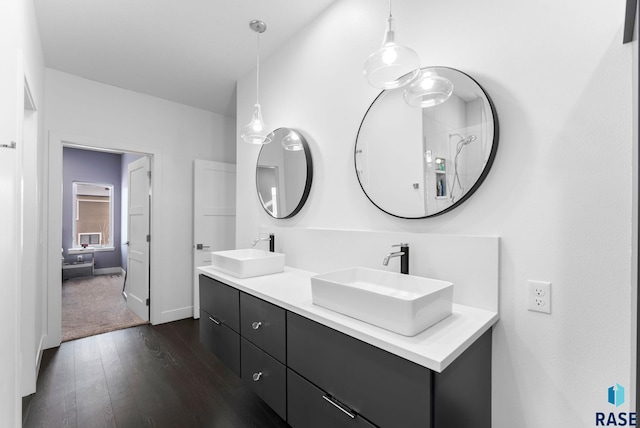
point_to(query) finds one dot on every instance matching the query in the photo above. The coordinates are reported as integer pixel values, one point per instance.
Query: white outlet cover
(539, 296)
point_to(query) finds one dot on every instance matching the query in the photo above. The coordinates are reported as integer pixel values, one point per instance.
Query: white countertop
(435, 348)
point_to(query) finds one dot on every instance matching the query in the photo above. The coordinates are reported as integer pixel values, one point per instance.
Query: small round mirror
(284, 173)
(421, 162)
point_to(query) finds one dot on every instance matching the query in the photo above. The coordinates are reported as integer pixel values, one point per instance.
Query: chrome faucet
(272, 241)
(404, 257)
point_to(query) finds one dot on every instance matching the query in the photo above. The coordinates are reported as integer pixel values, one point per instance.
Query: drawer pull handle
(214, 320)
(256, 325)
(257, 376)
(340, 406)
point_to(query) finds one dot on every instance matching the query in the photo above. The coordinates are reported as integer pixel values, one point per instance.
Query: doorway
(95, 243)
(57, 143)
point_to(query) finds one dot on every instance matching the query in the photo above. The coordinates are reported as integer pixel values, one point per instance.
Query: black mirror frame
(485, 170)
(308, 178)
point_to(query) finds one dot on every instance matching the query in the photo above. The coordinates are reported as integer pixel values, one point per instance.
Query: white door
(214, 215)
(137, 285)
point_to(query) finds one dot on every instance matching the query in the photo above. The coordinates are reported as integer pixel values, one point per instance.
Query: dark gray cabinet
(220, 340)
(390, 391)
(310, 407)
(264, 325)
(265, 376)
(221, 302)
(220, 321)
(383, 388)
(314, 376)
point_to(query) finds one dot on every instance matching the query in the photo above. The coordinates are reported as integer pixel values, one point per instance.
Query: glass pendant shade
(391, 66)
(255, 132)
(292, 142)
(428, 90)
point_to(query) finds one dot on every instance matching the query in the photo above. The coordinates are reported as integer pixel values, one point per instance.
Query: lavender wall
(95, 167)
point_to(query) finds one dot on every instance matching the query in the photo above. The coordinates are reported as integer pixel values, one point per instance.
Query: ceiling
(187, 51)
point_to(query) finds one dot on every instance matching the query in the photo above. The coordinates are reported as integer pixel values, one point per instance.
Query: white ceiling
(187, 51)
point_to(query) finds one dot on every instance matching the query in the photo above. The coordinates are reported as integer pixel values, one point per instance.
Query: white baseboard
(39, 354)
(50, 341)
(108, 271)
(174, 315)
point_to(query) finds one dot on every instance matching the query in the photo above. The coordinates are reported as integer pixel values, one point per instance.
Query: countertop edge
(436, 363)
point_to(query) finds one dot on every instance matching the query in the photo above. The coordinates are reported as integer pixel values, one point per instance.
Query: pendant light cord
(390, 9)
(257, 66)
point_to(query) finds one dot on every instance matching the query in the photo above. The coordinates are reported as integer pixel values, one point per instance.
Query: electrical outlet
(539, 296)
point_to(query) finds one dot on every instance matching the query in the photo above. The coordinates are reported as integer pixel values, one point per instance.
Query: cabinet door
(221, 302)
(263, 324)
(310, 407)
(265, 376)
(386, 389)
(221, 340)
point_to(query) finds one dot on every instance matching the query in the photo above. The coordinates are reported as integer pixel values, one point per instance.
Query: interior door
(137, 285)
(214, 215)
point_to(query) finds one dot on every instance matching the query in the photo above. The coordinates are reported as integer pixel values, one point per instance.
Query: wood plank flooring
(146, 376)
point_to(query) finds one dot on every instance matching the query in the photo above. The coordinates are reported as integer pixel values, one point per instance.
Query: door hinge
(11, 145)
(148, 238)
(149, 174)
(148, 302)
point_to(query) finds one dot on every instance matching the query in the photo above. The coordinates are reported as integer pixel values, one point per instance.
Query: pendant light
(428, 90)
(292, 142)
(256, 132)
(393, 65)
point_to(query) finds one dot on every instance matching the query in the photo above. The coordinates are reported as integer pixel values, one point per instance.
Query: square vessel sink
(404, 304)
(248, 262)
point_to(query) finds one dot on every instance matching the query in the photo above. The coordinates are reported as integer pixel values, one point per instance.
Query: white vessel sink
(404, 304)
(248, 262)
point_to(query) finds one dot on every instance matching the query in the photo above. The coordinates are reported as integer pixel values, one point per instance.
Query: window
(93, 215)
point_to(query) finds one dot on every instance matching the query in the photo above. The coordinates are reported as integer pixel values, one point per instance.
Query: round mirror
(284, 173)
(417, 163)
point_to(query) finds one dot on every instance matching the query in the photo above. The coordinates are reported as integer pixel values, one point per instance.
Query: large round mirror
(416, 163)
(284, 173)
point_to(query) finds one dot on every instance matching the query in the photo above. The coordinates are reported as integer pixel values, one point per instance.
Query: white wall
(81, 111)
(559, 194)
(9, 259)
(33, 289)
(20, 305)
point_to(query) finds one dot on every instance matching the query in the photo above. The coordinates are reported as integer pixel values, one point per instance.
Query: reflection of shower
(461, 144)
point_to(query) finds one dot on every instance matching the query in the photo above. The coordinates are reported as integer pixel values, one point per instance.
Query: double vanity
(355, 347)
(359, 346)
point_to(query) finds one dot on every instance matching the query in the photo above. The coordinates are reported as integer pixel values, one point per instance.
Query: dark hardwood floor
(146, 376)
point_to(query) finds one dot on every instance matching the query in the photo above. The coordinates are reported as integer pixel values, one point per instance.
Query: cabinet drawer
(263, 324)
(265, 376)
(220, 301)
(386, 389)
(221, 340)
(308, 407)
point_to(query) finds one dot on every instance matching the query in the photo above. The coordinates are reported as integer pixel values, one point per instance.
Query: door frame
(56, 142)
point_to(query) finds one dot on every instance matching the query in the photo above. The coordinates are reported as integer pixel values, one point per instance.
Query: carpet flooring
(95, 305)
